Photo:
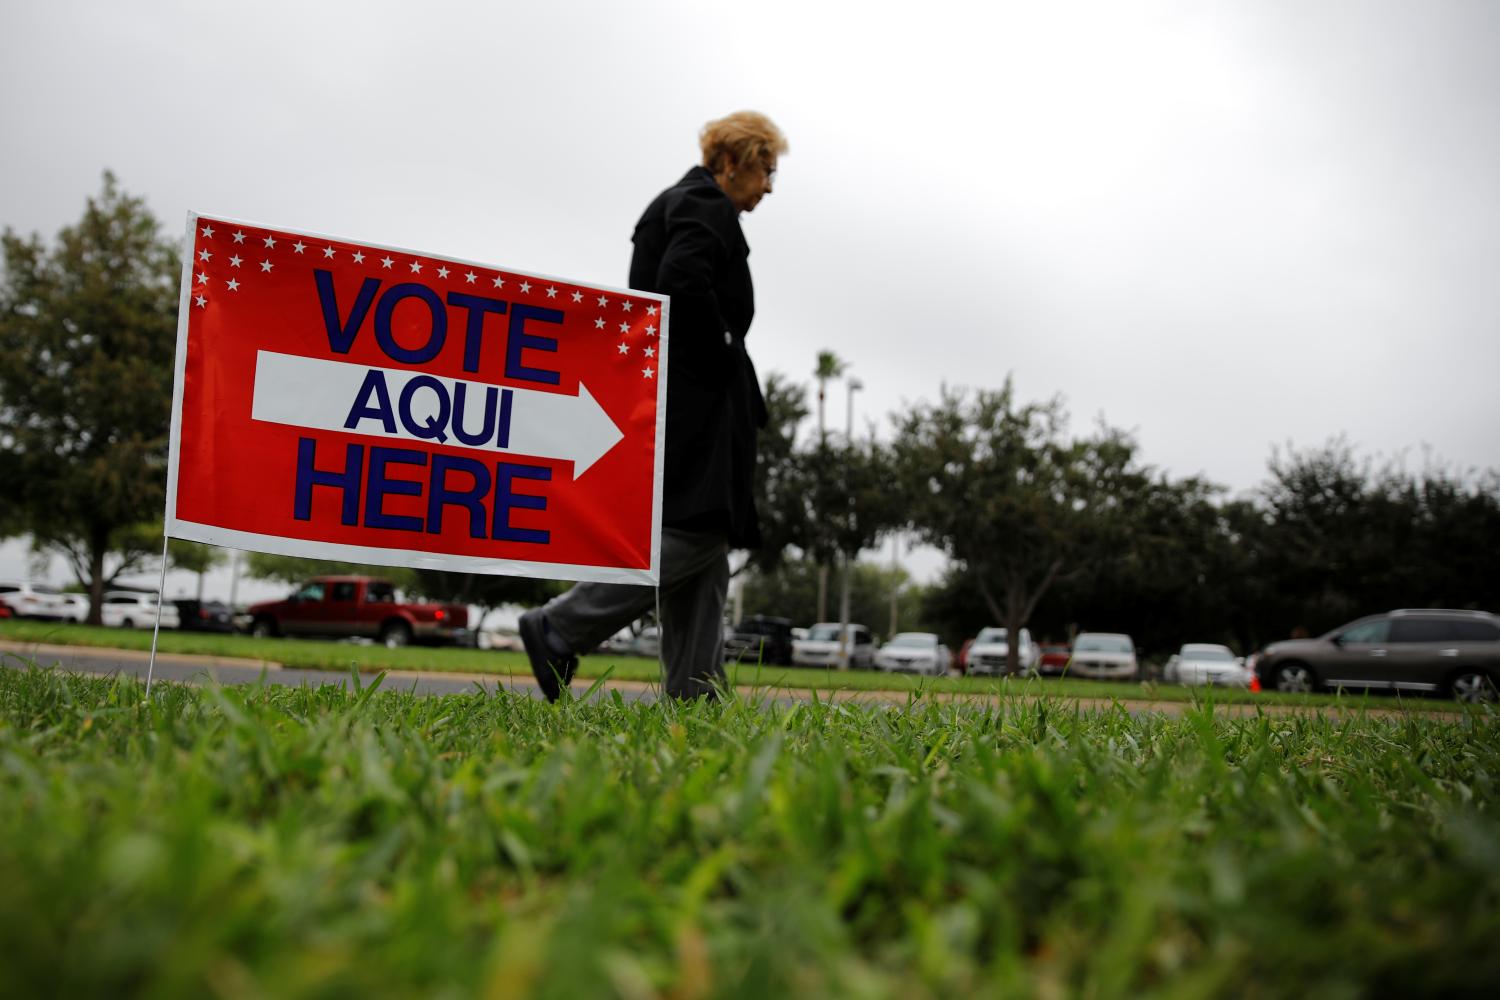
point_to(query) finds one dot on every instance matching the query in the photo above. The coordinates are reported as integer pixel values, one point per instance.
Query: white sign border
(192, 531)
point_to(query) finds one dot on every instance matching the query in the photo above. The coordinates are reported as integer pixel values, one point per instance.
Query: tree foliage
(87, 336)
(1001, 488)
(791, 592)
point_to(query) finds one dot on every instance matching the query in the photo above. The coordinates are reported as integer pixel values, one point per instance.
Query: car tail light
(440, 614)
(203, 615)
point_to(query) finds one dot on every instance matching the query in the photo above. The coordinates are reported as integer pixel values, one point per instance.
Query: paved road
(180, 668)
(191, 669)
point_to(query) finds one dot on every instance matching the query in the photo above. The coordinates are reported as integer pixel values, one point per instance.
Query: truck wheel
(395, 634)
(264, 628)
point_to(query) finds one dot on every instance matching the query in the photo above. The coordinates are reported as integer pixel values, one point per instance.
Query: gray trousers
(694, 584)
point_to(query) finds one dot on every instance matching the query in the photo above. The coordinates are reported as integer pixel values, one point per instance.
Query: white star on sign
(205, 255)
(208, 231)
(386, 263)
(442, 272)
(202, 277)
(469, 277)
(646, 372)
(266, 265)
(650, 310)
(270, 242)
(499, 281)
(239, 237)
(627, 304)
(525, 286)
(624, 347)
(650, 351)
(551, 293)
(234, 286)
(359, 257)
(234, 262)
(201, 301)
(650, 330)
(603, 302)
(299, 246)
(599, 323)
(577, 296)
(328, 251)
(416, 267)
(624, 327)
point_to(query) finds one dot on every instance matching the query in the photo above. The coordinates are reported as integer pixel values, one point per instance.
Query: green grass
(323, 655)
(286, 842)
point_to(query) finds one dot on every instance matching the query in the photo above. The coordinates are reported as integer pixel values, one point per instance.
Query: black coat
(689, 245)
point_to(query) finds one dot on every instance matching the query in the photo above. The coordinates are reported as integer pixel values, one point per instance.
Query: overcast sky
(1222, 226)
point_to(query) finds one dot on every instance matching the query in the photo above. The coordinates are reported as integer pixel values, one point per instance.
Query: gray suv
(1455, 652)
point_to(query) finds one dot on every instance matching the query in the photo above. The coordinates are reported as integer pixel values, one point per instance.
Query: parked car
(760, 639)
(361, 606)
(1053, 657)
(647, 643)
(991, 647)
(204, 616)
(72, 608)
(1104, 655)
(135, 609)
(822, 647)
(629, 642)
(1453, 652)
(919, 652)
(498, 638)
(31, 600)
(1206, 663)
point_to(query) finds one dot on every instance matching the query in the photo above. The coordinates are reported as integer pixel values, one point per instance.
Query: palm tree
(829, 366)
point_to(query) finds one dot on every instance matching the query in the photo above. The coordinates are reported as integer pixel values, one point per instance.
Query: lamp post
(846, 642)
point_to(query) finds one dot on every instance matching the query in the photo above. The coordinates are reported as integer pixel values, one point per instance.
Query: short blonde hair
(744, 137)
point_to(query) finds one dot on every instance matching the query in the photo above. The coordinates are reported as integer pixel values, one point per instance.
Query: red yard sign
(343, 400)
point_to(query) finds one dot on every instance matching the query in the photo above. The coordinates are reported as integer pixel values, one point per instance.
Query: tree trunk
(822, 592)
(96, 582)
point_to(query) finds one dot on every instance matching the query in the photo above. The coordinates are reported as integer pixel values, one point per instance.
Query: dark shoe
(552, 672)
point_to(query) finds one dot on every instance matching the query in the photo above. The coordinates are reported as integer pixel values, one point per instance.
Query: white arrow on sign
(321, 394)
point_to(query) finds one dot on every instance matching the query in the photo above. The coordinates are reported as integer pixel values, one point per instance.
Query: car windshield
(823, 633)
(990, 635)
(42, 588)
(1102, 644)
(917, 639)
(1216, 654)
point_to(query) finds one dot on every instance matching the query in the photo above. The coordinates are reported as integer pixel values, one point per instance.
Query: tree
(788, 592)
(780, 488)
(1005, 493)
(87, 337)
(195, 557)
(295, 570)
(829, 366)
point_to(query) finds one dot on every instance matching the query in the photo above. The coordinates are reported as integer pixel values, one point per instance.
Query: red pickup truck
(339, 606)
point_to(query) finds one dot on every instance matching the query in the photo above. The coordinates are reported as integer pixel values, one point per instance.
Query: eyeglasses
(769, 171)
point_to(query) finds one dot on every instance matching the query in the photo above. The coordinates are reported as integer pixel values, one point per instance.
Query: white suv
(133, 609)
(987, 654)
(821, 648)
